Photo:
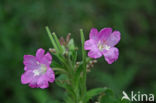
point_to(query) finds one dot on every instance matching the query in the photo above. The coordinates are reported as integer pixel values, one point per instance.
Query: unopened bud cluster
(90, 65)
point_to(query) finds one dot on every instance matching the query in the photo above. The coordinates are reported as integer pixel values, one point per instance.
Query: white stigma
(40, 70)
(36, 72)
(100, 47)
(103, 46)
(106, 47)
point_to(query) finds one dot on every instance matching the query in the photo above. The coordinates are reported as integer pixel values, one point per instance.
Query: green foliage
(71, 80)
(71, 45)
(94, 92)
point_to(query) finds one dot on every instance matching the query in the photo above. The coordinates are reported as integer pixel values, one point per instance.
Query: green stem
(84, 90)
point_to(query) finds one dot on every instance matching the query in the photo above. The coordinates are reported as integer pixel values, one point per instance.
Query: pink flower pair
(38, 72)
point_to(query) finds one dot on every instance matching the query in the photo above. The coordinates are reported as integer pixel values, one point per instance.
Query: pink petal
(94, 53)
(25, 68)
(27, 77)
(42, 82)
(111, 55)
(40, 53)
(105, 33)
(44, 59)
(33, 83)
(90, 44)
(113, 39)
(30, 62)
(48, 57)
(50, 74)
(93, 34)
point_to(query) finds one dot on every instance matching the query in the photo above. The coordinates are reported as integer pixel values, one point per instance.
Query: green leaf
(61, 80)
(77, 77)
(84, 63)
(64, 49)
(74, 57)
(58, 43)
(94, 92)
(52, 39)
(71, 45)
(60, 70)
(82, 42)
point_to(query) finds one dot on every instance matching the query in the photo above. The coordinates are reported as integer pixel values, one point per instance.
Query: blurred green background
(22, 31)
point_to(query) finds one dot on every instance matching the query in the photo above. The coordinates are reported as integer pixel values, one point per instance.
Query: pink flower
(102, 43)
(37, 70)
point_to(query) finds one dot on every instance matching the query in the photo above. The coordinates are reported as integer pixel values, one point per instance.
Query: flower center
(36, 72)
(103, 46)
(41, 70)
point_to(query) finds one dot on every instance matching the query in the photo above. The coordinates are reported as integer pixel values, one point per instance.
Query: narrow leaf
(94, 92)
(51, 38)
(84, 63)
(57, 42)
